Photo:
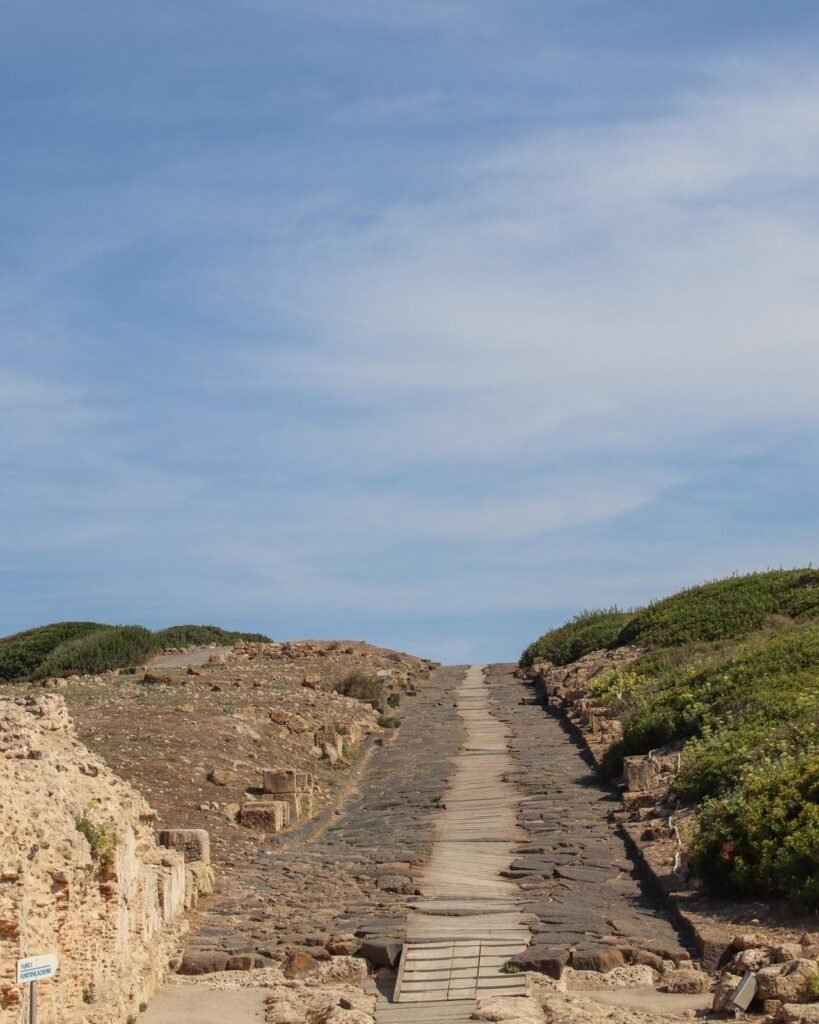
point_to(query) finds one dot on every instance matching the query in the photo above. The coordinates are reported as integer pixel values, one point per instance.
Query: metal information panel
(37, 968)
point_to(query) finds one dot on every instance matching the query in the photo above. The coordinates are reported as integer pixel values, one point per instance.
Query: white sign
(384, 673)
(37, 968)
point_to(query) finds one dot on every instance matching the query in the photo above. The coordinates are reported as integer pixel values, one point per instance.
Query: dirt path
(200, 656)
(192, 1003)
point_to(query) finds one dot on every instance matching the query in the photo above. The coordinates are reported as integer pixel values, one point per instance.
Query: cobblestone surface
(584, 889)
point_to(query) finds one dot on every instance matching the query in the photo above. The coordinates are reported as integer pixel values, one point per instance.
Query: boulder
(751, 960)
(795, 1013)
(343, 945)
(241, 962)
(788, 951)
(299, 963)
(203, 962)
(219, 776)
(787, 982)
(549, 960)
(687, 982)
(597, 958)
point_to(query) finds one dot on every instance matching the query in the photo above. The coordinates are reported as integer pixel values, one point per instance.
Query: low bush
(61, 646)
(730, 679)
(586, 632)
(103, 835)
(360, 685)
(21, 653)
(764, 836)
(724, 609)
(106, 648)
(200, 636)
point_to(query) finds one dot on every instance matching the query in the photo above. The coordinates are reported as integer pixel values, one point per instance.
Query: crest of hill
(727, 675)
(719, 610)
(91, 647)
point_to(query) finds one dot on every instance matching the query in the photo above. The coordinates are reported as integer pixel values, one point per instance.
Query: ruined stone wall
(106, 899)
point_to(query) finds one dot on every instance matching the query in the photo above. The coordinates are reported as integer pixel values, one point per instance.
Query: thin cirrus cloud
(665, 262)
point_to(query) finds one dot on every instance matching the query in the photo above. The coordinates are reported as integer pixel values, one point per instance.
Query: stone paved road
(356, 874)
(582, 887)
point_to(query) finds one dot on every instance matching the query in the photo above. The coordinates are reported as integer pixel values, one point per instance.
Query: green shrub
(61, 646)
(733, 705)
(361, 685)
(103, 836)
(200, 636)
(106, 648)
(723, 609)
(764, 836)
(21, 653)
(388, 722)
(586, 632)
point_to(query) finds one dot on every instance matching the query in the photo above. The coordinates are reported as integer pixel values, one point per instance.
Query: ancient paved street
(580, 883)
(475, 826)
(468, 922)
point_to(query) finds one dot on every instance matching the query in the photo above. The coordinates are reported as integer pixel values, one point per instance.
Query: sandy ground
(181, 1003)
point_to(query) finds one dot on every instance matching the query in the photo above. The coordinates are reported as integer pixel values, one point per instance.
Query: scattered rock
(597, 958)
(793, 1013)
(549, 960)
(299, 964)
(208, 962)
(752, 960)
(343, 945)
(687, 982)
(787, 982)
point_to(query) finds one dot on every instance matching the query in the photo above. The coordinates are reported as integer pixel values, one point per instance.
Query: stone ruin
(194, 845)
(82, 874)
(288, 799)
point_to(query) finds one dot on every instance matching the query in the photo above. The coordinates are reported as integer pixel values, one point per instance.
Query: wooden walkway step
(466, 924)
(456, 970)
(459, 1012)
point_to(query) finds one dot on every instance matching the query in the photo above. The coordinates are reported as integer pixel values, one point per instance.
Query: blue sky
(427, 323)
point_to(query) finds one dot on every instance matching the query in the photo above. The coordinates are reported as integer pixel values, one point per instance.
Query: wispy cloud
(388, 315)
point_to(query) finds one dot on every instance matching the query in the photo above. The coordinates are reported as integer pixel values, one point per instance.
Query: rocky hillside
(196, 739)
(235, 744)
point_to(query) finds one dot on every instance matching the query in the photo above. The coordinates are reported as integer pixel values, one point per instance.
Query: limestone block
(787, 982)
(597, 958)
(269, 815)
(793, 1013)
(640, 774)
(293, 787)
(686, 981)
(286, 781)
(192, 843)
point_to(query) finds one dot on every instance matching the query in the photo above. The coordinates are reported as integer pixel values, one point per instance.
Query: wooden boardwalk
(467, 922)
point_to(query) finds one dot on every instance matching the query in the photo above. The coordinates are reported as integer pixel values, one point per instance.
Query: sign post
(31, 971)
